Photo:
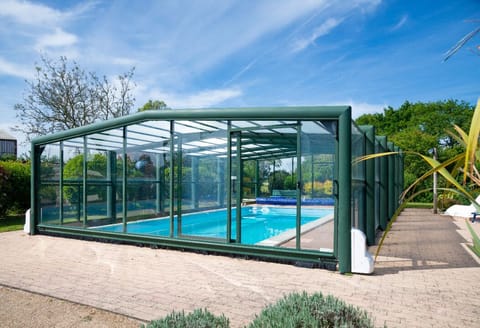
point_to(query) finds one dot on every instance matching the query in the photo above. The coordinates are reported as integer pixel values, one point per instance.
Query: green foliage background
(14, 186)
(420, 127)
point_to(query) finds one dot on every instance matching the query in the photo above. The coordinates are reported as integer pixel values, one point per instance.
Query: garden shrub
(3, 191)
(14, 186)
(302, 310)
(197, 319)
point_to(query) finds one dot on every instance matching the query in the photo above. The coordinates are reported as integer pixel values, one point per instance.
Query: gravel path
(22, 309)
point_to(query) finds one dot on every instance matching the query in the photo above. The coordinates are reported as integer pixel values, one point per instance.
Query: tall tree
(153, 105)
(62, 96)
(420, 127)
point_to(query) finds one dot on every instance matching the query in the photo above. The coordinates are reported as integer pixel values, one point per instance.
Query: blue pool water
(258, 223)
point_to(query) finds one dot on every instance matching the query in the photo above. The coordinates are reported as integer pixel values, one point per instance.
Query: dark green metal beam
(258, 113)
(369, 183)
(344, 191)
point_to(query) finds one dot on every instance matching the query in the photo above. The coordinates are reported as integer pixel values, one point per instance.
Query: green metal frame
(342, 183)
(369, 184)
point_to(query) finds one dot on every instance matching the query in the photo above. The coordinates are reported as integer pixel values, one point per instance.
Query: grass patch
(12, 222)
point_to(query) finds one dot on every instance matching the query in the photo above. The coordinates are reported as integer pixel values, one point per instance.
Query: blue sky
(366, 53)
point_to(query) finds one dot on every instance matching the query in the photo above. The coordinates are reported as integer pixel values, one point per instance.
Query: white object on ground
(26, 226)
(362, 260)
(462, 210)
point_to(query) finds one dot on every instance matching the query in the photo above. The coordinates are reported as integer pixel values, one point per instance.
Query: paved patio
(425, 277)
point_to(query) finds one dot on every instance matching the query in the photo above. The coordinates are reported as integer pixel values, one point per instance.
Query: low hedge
(14, 186)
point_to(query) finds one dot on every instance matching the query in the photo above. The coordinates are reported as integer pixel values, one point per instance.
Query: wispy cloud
(242, 71)
(16, 70)
(325, 28)
(27, 28)
(29, 13)
(58, 38)
(402, 21)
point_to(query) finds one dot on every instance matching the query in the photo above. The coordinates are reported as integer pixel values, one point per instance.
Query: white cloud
(29, 13)
(324, 29)
(207, 33)
(11, 69)
(201, 99)
(59, 38)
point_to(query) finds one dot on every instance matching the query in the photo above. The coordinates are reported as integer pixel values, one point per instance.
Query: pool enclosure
(276, 183)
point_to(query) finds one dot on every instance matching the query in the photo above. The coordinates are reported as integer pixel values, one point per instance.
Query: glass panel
(358, 180)
(317, 171)
(147, 173)
(73, 182)
(202, 167)
(98, 201)
(49, 193)
(146, 167)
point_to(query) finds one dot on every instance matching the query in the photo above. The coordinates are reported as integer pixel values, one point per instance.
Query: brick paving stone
(423, 278)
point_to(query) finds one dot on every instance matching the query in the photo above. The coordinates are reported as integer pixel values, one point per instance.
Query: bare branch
(62, 96)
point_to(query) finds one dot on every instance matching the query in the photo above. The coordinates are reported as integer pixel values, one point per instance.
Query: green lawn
(419, 205)
(12, 222)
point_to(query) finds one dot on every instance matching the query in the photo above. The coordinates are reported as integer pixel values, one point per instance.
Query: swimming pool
(258, 223)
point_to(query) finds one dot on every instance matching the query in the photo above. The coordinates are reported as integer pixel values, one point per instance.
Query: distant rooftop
(4, 135)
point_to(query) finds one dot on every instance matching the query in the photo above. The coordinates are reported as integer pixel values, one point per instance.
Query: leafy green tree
(420, 127)
(62, 96)
(153, 105)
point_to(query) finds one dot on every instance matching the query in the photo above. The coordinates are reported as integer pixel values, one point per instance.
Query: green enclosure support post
(112, 185)
(84, 181)
(391, 181)
(369, 183)
(402, 174)
(299, 187)
(257, 180)
(60, 186)
(172, 178)
(238, 182)
(159, 183)
(397, 177)
(228, 182)
(273, 179)
(344, 250)
(312, 177)
(124, 181)
(383, 184)
(179, 185)
(35, 211)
